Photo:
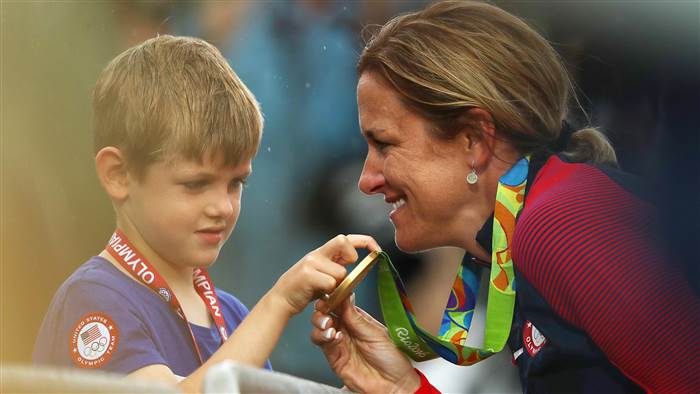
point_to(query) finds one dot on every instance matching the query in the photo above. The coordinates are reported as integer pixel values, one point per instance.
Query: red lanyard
(124, 252)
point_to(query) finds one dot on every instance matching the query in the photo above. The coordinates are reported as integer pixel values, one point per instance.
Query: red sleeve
(584, 243)
(425, 386)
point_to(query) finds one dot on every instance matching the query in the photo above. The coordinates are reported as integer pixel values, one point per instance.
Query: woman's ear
(479, 131)
(112, 172)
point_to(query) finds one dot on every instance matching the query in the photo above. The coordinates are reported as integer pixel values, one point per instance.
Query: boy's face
(183, 210)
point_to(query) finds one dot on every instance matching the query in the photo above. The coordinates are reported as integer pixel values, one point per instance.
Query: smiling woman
(423, 176)
(464, 107)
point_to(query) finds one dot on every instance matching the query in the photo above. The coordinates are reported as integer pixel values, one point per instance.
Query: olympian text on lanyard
(140, 269)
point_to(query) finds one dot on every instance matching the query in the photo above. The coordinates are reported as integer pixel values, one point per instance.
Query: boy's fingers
(343, 248)
(324, 283)
(325, 277)
(337, 271)
(340, 250)
(364, 242)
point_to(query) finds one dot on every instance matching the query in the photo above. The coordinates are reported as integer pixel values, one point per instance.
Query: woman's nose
(371, 179)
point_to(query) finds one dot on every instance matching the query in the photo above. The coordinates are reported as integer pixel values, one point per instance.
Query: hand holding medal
(348, 285)
(320, 271)
(354, 342)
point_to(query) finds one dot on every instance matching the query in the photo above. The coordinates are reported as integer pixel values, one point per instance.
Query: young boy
(175, 133)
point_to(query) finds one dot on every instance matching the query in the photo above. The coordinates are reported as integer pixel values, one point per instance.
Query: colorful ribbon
(450, 343)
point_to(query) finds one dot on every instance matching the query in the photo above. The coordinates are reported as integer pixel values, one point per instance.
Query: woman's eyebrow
(372, 133)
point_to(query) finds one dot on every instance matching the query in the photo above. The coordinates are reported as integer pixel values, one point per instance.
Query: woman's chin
(409, 244)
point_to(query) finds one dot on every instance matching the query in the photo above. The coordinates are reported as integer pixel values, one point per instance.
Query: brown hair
(456, 55)
(174, 96)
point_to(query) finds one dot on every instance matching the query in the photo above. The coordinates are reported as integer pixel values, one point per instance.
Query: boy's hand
(320, 271)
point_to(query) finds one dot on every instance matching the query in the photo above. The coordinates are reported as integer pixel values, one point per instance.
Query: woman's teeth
(398, 204)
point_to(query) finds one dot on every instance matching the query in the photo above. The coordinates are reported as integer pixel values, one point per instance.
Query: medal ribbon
(140, 269)
(398, 313)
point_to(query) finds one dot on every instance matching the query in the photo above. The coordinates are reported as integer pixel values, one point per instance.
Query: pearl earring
(472, 177)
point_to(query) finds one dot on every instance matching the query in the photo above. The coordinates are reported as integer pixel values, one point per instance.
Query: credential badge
(164, 293)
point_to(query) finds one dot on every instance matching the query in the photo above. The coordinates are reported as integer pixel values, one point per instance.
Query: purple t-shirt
(100, 318)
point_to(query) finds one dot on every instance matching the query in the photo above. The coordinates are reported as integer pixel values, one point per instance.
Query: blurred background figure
(635, 66)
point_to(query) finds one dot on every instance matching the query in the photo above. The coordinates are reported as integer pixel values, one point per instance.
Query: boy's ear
(112, 172)
(478, 135)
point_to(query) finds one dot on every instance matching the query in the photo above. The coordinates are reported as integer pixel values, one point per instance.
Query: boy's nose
(220, 207)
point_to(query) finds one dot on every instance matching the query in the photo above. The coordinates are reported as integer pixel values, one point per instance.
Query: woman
(459, 103)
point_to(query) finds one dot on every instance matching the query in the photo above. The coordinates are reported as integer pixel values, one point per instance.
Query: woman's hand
(359, 350)
(318, 272)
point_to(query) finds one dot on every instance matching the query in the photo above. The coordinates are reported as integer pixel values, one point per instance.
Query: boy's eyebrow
(245, 174)
(198, 173)
(210, 175)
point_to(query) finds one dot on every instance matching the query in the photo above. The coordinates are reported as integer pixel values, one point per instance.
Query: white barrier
(231, 377)
(36, 379)
(226, 377)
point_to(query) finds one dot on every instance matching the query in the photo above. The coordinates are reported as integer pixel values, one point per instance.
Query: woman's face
(421, 175)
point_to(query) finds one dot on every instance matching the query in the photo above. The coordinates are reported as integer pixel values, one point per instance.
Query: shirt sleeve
(425, 386)
(591, 255)
(96, 327)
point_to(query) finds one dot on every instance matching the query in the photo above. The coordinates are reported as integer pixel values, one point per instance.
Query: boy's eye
(194, 185)
(237, 183)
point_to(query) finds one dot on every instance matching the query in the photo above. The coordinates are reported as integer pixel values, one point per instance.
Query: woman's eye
(381, 145)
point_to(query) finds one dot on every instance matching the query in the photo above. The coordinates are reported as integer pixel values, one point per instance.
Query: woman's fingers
(353, 318)
(323, 338)
(321, 303)
(324, 330)
(358, 323)
(321, 320)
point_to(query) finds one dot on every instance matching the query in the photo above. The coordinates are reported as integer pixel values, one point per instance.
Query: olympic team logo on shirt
(533, 339)
(93, 340)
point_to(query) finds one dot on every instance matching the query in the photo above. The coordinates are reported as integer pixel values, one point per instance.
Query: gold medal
(348, 285)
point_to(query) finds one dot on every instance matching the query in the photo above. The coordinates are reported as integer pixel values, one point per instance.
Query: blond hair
(173, 96)
(456, 55)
